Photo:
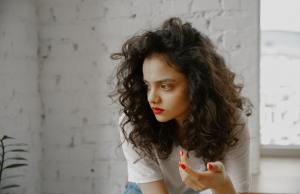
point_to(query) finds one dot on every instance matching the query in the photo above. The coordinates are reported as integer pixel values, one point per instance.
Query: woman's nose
(153, 96)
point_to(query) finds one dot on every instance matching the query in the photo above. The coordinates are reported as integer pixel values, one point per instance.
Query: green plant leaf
(9, 186)
(15, 158)
(16, 144)
(15, 165)
(16, 150)
(12, 176)
(7, 137)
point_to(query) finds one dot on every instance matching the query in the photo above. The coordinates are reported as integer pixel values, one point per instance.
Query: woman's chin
(161, 118)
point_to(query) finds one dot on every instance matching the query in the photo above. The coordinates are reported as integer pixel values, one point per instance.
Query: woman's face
(167, 89)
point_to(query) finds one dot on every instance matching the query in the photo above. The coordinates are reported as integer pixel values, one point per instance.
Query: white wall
(75, 39)
(20, 104)
(79, 132)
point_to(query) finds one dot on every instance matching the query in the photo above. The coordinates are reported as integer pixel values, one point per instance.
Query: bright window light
(280, 72)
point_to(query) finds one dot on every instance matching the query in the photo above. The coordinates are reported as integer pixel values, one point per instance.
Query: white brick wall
(75, 38)
(20, 103)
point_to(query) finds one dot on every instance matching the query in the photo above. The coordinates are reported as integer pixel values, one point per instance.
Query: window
(280, 77)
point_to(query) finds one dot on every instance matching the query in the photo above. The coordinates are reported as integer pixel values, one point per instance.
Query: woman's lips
(157, 111)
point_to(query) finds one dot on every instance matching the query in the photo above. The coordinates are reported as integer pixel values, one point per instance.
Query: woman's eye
(166, 87)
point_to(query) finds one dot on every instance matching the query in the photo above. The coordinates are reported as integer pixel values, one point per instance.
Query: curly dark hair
(214, 97)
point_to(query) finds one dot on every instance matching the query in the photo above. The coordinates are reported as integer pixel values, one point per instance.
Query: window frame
(292, 151)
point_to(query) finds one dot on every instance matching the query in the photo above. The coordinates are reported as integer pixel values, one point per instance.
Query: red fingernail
(210, 166)
(182, 166)
(181, 153)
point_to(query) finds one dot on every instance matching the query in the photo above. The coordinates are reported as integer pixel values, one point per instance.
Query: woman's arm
(214, 178)
(237, 161)
(156, 187)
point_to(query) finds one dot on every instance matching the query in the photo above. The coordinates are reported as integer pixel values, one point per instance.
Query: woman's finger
(183, 156)
(182, 173)
(216, 166)
(188, 170)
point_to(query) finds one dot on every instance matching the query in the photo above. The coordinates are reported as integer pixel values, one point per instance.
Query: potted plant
(10, 159)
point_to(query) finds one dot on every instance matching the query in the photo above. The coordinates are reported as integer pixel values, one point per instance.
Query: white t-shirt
(145, 170)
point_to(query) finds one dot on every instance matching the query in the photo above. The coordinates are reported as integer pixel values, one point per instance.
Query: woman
(183, 126)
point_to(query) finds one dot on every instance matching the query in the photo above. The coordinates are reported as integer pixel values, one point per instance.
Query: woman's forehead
(156, 68)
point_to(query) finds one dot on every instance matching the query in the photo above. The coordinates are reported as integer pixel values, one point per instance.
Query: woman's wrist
(225, 188)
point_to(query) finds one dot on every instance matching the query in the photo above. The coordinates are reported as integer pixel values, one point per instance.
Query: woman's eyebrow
(163, 80)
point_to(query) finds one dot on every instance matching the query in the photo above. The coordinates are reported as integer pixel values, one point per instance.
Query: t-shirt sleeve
(140, 170)
(237, 160)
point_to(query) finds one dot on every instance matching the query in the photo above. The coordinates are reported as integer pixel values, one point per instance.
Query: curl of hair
(215, 99)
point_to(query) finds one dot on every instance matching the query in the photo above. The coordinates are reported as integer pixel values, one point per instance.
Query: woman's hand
(214, 178)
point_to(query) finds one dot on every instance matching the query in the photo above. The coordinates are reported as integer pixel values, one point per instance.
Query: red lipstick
(157, 111)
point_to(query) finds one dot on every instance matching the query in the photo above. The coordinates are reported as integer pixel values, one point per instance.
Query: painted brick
(204, 5)
(20, 102)
(232, 4)
(59, 71)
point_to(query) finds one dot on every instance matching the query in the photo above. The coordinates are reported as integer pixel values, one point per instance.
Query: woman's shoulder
(241, 115)
(241, 119)
(124, 127)
(241, 130)
(121, 119)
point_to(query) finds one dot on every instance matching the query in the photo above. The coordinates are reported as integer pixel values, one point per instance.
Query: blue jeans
(132, 188)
